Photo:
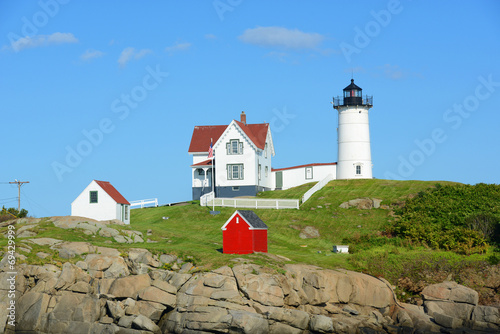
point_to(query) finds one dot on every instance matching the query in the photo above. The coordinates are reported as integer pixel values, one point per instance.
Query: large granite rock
(362, 203)
(243, 299)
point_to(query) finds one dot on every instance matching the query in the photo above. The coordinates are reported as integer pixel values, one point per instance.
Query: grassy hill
(191, 232)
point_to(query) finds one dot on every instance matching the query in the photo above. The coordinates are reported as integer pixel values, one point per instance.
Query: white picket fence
(317, 187)
(144, 202)
(254, 203)
(207, 197)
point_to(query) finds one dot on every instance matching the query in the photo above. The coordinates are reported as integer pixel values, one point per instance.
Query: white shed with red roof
(101, 201)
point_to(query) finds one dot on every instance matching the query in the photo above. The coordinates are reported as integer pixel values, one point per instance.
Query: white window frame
(234, 147)
(233, 169)
(358, 170)
(96, 196)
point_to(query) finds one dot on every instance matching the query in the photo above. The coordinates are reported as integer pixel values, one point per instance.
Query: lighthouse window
(358, 170)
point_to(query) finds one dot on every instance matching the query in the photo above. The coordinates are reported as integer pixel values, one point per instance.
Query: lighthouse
(353, 134)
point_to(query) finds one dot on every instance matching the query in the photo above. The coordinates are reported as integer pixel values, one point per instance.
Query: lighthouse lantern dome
(353, 94)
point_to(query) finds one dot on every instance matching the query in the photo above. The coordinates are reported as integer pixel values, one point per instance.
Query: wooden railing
(254, 203)
(144, 202)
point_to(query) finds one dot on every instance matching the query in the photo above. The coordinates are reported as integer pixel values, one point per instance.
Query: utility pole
(19, 184)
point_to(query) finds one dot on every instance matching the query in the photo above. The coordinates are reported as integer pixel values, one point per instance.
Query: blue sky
(111, 90)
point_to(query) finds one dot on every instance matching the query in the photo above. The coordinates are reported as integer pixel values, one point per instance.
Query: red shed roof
(250, 217)
(200, 141)
(111, 191)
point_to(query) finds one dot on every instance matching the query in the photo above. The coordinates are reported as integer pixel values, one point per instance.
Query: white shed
(101, 201)
(341, 249)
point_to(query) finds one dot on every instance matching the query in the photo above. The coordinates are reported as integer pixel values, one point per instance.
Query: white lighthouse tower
(354, 154)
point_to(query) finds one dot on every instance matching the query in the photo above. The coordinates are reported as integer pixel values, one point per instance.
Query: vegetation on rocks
(377, 244)
(460, 218)
(7, 214)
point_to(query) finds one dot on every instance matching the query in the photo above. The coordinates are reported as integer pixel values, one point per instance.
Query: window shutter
(240, 148)
(228, 170)
(227, 148)
(241, 172)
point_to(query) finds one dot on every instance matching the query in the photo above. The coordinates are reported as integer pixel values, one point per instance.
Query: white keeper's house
(242, 158)
(101, 201)
(242, 153)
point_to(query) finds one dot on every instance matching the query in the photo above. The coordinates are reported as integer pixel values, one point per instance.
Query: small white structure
(289, 177)
(341, 249)
(354, 154)
(101, 201)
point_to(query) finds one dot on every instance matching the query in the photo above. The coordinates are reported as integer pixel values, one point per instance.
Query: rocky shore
(111, 292)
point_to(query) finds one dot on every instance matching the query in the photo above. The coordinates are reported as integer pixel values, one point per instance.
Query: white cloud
(131, 53)
(42, 40)
(357, 69)
(393, 72)
(281, 37)
(210, 36)
(91, 54)
(178, 47)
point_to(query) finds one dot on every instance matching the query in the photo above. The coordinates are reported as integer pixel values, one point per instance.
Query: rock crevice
(105, 294)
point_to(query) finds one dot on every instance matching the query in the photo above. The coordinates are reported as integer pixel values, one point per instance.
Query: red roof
(200, 141)
(256, 132)
(308, 165)
(111, 191)
(203, 163)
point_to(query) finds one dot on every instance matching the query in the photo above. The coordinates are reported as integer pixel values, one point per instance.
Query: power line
(32, 202)
(19, 184)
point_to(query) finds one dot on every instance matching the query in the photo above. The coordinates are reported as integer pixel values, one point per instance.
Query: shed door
(279, 180)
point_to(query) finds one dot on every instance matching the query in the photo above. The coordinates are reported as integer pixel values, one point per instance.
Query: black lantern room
(353, 96)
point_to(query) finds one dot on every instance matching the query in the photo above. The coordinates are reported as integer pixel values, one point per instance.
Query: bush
(12, 213)
(460, 218)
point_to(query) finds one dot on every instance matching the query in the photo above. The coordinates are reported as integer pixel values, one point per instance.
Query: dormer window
(234, 147)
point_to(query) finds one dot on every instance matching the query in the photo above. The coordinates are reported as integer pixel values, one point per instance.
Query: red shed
(244, 233)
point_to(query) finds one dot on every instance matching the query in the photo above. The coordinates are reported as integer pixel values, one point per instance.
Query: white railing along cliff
(317, 187)
(144, 202)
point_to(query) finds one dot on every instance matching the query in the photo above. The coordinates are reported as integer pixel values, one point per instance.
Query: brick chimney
(243, 118)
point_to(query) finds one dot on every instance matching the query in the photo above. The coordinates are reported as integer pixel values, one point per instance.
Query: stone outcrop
(362, 203)
(110, 292)
(80, 225)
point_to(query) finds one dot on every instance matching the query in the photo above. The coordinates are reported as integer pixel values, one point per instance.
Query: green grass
(293, 193)
(191, 230)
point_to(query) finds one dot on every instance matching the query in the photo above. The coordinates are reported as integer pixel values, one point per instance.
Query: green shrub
(460, 218)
